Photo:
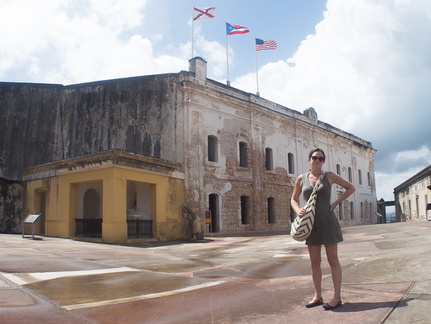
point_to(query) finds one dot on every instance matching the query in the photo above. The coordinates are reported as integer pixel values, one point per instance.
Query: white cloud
(403, 166)
(78, 41)
(211, 51)
(366, 70)
(366, 63)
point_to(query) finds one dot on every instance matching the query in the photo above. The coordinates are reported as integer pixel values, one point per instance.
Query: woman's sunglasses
(315, 158)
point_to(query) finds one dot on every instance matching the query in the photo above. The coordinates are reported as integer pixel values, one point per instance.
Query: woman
(326, 230)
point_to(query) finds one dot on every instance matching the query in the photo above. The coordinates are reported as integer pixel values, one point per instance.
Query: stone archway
(91, 223)
(381, 209)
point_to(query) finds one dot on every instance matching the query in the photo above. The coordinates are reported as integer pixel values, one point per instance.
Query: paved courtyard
(254, 278)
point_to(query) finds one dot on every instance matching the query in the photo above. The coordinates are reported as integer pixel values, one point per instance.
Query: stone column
(114, 225)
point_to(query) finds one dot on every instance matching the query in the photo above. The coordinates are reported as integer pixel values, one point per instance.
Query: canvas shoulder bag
(302, 226)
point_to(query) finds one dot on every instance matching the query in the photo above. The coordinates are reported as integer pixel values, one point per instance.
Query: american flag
(265, 45)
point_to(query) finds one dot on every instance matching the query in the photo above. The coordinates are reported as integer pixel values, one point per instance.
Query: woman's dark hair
(316, 150)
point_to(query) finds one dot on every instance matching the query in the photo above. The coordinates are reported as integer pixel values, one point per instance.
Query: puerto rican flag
(235, 29)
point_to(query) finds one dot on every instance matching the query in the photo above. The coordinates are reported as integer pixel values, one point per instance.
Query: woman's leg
(316, 270)
(332, 255)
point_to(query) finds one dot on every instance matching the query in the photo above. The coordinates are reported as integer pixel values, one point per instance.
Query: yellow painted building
(113, 197)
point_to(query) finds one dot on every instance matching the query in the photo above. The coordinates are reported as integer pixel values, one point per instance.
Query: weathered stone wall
(231, 116)
(45, 123)
(28, 115)
(231, 121)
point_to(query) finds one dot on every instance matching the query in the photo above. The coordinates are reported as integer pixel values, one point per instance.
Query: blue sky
(286, 22)
(364, 65)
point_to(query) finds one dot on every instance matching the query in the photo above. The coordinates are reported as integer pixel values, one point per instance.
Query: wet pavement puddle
(91, 288)
(28, 278)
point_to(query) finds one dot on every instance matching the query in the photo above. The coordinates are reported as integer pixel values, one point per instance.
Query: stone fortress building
(412, 197)
(146, 156)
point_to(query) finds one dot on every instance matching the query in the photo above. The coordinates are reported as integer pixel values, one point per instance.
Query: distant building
(145, 156)
(412, 197)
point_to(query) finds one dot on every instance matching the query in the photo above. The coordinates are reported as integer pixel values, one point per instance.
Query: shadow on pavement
(360, 307)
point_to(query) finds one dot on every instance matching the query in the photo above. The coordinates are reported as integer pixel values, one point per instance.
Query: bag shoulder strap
(319, 181)
(316, 186)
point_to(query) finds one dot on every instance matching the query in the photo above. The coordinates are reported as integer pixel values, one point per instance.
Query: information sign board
(30, 219)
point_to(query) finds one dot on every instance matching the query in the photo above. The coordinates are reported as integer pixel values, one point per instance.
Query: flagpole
(227, 61)
(193, 28)
(257, 74)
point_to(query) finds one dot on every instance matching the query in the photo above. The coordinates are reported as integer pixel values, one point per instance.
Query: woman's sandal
(329, 307)
(314, 304)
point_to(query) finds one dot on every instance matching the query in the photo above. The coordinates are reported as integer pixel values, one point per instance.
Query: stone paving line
(254, 278)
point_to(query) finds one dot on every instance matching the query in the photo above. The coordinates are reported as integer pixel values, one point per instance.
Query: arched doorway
(213, 206)
(91, 221)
